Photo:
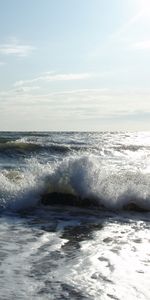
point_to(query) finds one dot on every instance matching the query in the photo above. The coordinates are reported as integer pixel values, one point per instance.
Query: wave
(4, 139)
(17, 146)
(133, 148)
(77, 180)
(26, 147)
(23, 148)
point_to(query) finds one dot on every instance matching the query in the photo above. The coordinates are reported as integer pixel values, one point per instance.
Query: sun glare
(144, 5)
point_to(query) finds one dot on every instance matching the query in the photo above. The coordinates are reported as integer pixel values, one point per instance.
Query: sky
(74, 65)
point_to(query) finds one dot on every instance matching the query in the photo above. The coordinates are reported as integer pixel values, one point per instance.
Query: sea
(74, 215)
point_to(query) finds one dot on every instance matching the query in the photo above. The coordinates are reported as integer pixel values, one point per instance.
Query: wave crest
(78, 180)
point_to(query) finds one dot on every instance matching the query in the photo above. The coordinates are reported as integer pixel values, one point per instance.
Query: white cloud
(88, 102)
(25, 89)
(28, 106)
(14, 47)
(49, 77)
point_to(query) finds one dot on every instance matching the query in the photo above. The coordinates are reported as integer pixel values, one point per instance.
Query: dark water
(73, 251)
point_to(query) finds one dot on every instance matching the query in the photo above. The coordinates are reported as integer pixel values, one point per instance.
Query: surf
(76, 181)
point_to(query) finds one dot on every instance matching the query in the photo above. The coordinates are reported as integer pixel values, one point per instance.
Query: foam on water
(85, 176)
(75, 252)
(22, 191)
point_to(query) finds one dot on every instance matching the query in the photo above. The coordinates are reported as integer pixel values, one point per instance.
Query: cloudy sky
(74, 65)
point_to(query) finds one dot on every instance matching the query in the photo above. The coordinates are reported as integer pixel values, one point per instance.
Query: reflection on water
(74, 254)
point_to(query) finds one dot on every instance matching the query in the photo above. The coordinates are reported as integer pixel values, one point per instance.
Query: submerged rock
(73, 200)
(68, 199)
(132, 206)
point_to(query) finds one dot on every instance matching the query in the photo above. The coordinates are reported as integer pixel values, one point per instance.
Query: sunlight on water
(117, 260)
(93, 246)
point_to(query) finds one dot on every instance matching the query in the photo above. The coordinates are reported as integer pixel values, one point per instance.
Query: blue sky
(74, 64)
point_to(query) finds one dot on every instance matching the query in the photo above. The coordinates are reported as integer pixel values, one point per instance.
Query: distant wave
(133, 148)
(79, 181)
(4, 140)
(12, 148)
(17, 146)
(21, 147)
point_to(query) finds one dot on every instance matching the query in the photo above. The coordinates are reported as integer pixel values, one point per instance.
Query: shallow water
(74, 254)
(69, 252)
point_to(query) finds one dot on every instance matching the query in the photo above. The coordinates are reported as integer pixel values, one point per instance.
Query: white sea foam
(23, 190)
(85, 176)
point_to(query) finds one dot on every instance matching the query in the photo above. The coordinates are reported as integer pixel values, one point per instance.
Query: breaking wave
(28, 147)
(76, 180)
(13, 148)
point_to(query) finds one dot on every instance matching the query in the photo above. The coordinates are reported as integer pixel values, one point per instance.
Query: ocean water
(74, 215)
